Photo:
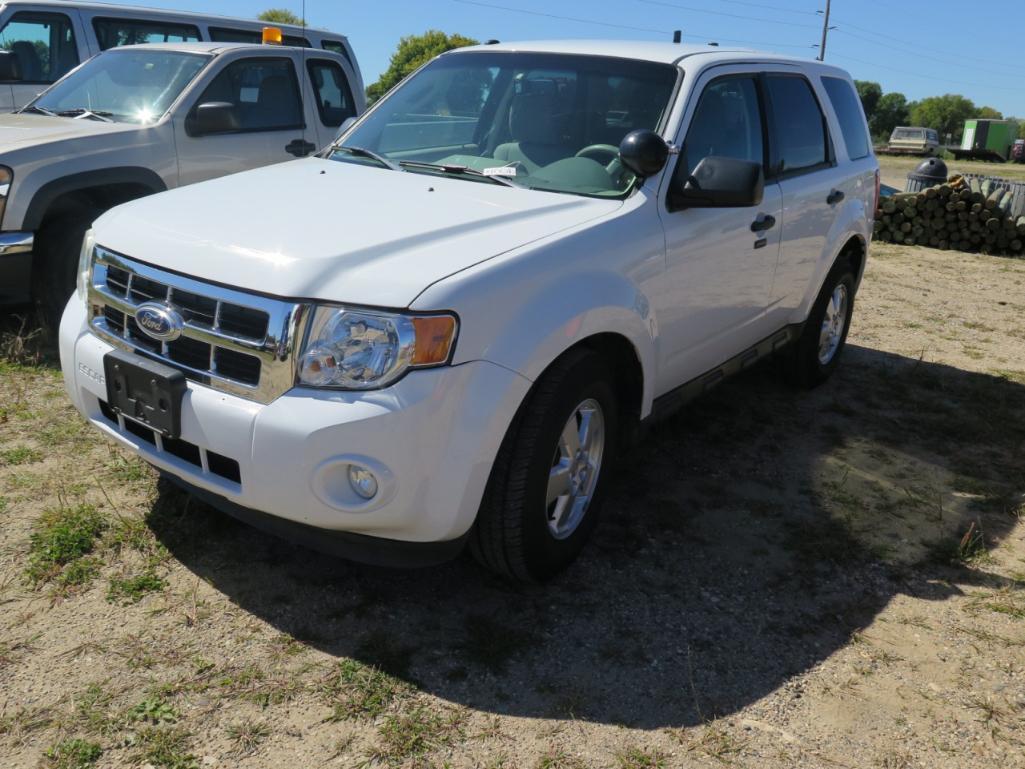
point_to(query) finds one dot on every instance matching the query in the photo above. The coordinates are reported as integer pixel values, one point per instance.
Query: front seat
(28, 58)
(276, 103)
(536, 131)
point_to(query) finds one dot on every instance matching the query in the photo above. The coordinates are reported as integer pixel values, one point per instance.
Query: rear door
(812, 185)
(269, 126)
(330, 95)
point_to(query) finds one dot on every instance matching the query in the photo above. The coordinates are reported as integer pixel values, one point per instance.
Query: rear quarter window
(848, 112)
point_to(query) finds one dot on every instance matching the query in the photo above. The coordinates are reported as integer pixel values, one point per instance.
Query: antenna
(677, 35)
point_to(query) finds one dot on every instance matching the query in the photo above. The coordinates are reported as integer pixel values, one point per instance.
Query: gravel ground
(782, 578)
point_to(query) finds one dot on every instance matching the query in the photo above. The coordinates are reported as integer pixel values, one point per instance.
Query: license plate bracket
(145, 391)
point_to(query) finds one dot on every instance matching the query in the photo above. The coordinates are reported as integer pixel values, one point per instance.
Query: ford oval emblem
(159, 321)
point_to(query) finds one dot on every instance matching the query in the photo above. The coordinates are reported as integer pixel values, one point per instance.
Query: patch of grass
(715, 742)
(92, 710)
(638, 758)
(153, 710)
(20, 455)
(247, 736)
(557, 758)
(360, 691)
(415, 733)
(64, 537)
(3, 505)
(73, 754)
(969, 550)
(164, 748)
(133, 589)
(127, 469)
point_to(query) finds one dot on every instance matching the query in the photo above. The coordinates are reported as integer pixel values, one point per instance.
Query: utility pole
(825, 32)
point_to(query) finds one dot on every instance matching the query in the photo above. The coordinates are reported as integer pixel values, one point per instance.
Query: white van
(49, 38)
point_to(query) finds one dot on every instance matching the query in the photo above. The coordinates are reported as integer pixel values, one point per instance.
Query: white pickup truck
(141, 119)
(443, 330)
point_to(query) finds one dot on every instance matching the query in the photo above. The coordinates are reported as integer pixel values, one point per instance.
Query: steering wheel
(605, 154)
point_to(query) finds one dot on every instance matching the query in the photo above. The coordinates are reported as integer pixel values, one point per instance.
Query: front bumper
(431, 439)
(15, 267)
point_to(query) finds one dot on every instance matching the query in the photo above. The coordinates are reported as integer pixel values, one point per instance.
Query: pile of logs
(963, 215)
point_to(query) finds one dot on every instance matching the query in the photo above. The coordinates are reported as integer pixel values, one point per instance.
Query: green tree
(281, 16)
(414, 51)
(945, 113)
(870, 94)
(890, 112)
(989, 113)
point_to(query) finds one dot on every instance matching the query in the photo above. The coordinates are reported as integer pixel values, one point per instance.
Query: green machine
(986, 140)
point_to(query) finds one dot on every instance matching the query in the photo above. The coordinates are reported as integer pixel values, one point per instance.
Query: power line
(727, 15)
(769, 7)
(924, 77)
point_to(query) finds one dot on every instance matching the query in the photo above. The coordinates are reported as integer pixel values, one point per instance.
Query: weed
(972, 545)
(132, 589)
(153, 710)
(557, 758)
(3, 505)
(127, 469)
(92, 710)
(715, 742)
(20, 455)
(73, 754)
(359, 691)
(62, 537)
(414, 733)
(638, 758)
(164, 748)
(247, 736)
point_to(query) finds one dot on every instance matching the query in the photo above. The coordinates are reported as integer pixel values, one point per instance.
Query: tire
(55, 265)
(810, 361)
(516, 533)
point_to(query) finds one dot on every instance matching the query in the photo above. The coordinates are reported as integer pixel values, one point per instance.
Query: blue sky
(918, 47)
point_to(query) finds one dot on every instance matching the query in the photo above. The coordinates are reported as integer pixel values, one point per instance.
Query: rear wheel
(546, 487)
(816, 354)
(55, 264)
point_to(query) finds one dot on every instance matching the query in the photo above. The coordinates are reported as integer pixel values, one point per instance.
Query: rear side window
(798, 125)
(111, 33)
(847, 107)
(334, 97)
(263, 92)
(43, 45)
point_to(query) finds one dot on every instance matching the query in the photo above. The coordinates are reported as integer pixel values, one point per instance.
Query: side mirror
(212, 117)
(644, 152)
(10, 67)
(720, 182)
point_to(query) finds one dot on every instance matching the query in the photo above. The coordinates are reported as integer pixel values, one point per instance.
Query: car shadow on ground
(743, 543)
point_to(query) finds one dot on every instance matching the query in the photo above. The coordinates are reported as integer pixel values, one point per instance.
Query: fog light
(362, 481)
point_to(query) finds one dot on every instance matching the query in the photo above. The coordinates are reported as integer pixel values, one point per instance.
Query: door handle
(763, 222)
(300, 148)
(835, 197)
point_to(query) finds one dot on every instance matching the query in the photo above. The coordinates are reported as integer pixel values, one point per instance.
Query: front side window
(131, 86)
(548, 121)
(264, 94)
(798, 125)
(42, 43)
(848, 111)
(113, 33)
(726, 123)
(334, 98)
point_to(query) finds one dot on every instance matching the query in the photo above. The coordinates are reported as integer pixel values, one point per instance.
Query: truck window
(43, 43)
(264, 92)
(226, 35)
(336, 46)
(111, 33)
(334, 97)
(726, 123)
(798, 125)
(848, 112)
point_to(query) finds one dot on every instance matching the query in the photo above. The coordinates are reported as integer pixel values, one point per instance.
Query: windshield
(124, 85)
(546, 121)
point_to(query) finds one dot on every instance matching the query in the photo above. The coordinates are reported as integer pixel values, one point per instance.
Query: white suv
(445, 329)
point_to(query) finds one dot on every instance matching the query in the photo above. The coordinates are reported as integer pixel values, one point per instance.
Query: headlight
(85, 266)
(6, 177)
(359, 350)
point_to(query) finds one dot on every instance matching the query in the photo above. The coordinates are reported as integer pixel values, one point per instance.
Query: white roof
(207, 47)
(666, 53)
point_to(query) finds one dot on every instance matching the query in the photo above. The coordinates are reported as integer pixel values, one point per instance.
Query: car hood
(18, 130)
(338, 232)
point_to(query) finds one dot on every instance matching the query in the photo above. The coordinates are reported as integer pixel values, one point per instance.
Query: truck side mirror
(212, 117)
(644, 152)
(720, 182)
(10, 67)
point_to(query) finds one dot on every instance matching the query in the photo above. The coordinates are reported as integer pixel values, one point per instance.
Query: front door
(721, 261)
(268, 125)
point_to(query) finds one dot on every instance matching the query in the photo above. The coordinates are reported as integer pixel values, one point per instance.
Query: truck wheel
(816, 353)
(55, 264)
(543, 497)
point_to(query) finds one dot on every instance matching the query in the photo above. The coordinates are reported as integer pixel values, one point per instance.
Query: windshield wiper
(458, 170)
(362, 152)
(80, 112)
(40, 110)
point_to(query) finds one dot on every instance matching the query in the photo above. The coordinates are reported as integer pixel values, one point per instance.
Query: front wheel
(816, 353)
(55, 265)
(547, 483)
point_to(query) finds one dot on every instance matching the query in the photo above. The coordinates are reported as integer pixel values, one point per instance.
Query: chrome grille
(233, 341)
